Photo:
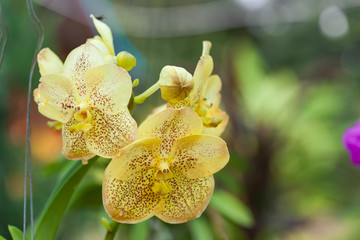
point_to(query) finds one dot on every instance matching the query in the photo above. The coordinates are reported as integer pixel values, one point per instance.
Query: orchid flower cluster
(165, 166)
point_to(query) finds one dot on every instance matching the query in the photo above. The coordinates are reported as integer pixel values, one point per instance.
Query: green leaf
(59, 200)
(140, 231)
(88, 196)
(15, 233)
(200, 229)
(2, 238)
(232, 208)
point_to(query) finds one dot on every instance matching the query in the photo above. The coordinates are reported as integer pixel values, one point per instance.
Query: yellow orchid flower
(167, 172)
(105, 44)
(202, 92)
(89, 97)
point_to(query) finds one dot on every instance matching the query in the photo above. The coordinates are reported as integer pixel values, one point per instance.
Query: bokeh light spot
(252, 4)
(333, 22)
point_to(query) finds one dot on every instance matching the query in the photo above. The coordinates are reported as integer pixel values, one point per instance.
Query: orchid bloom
(202, 92)
(167, 172)
(351, 141)
(90, 98)
(105, 44)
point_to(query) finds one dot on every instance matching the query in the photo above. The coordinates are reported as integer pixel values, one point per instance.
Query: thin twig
(28, 171)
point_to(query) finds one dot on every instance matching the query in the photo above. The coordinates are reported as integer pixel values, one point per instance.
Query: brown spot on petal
(74, 145)
(80, 60)
(188, 198)
(110, 133)
(170, 125)
(131, 201)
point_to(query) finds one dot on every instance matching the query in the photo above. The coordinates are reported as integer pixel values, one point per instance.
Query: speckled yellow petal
(188, 199)
(131, 201)
(56, 97)
(199, 155)
(202, 72)
(49, 62)
(108, 88)
(133, 158)
(219, 129)
(169, 125)
(79, 61)
(110, 133)
(74, 145)
(105, 33)
(212, 90)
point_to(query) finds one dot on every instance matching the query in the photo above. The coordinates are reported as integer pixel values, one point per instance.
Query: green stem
(131, 104)
(110, 234)
(141, 98)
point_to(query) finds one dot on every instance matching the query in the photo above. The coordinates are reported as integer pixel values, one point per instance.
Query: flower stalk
(142, 97)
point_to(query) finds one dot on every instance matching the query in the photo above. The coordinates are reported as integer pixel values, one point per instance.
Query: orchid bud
(175, 83)
(126, 60)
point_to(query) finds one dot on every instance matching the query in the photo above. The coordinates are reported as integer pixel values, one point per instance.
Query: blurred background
(291, 86)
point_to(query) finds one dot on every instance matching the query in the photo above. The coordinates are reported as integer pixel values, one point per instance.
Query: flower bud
(126, 60)
(175, 83)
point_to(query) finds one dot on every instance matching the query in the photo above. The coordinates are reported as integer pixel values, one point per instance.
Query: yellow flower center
(202, 108)
(164, 167)
(161, 186)
(83, 116)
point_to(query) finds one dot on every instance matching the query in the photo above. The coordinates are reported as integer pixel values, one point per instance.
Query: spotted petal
(74, 144)
(108, 88)
(56, 97)
(170, 125)
(79, 61)
(199, 155)
(188, 199)
(109, 133)
(131, 201)
(134, 158)
(202, 72)
(49, 62)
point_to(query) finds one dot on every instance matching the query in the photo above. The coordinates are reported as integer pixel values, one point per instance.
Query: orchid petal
(202, 72)
(199, 155)
(98, 42)
(212, 90)
(188, 199)
(79, 61)
(74, 144)
(110, 133)
(108, 88)
(49, 62)
(134, 158)
(105, 33)
(56, 97)
(131, 201)
(170, 125)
